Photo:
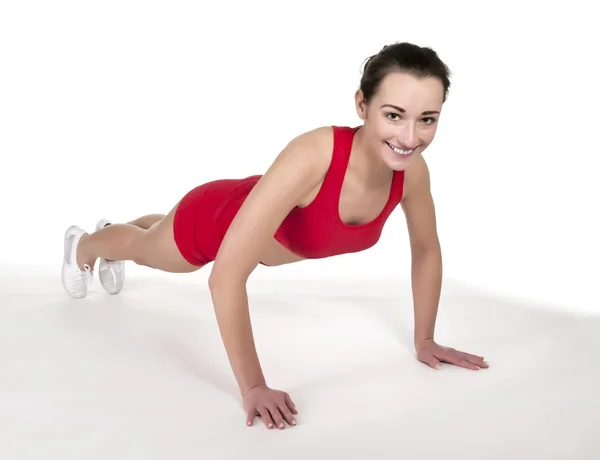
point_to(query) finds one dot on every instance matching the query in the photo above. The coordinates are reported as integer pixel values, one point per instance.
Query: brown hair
(405, 57)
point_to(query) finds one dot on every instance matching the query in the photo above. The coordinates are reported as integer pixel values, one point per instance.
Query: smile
(400, 151)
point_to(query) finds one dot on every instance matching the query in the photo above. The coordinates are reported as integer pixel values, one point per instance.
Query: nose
(408, 138)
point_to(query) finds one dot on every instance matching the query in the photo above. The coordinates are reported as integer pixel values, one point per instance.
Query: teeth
(400, 151)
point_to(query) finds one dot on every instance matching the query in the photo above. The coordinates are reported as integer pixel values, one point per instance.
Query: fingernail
(293, 422)
(270, 425)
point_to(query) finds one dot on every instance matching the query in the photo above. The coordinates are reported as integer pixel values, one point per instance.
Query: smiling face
(402, 118)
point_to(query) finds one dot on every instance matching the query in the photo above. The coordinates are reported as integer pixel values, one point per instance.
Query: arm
(426, 253)
(427, 271)
(296, 170)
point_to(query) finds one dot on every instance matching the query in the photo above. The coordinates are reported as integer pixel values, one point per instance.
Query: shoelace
(111, 267)
(85, 274)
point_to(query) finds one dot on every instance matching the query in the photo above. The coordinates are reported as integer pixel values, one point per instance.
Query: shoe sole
(100, 225)
(71, 229)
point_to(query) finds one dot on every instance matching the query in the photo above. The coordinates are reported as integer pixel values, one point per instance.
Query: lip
(402, 148)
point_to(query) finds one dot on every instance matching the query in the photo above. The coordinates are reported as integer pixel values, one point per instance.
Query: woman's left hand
(433, 354)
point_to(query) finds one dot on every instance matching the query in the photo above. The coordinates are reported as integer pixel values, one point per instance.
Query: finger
(472, 358)
(266, 416)
(287, 414)
(250, 417)
(457, 360)
(276, 416)
(289, 403)
(477, 362)
(468, 365)
(432, 362)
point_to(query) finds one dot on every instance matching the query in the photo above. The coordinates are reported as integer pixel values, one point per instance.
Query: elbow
(425, 249)
(214, 280)
(231, 269)
(427, 252)
(222, 278)
(217, 279)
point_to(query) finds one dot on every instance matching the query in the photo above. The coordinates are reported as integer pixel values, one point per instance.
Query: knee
(138, 247)
(140, 257)
(142, 262)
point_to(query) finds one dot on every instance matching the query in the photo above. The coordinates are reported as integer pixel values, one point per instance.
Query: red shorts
(204, 215)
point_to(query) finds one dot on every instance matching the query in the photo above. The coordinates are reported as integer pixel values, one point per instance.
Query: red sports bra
(317, 230)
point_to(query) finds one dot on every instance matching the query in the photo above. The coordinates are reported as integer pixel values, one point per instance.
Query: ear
(361, 104)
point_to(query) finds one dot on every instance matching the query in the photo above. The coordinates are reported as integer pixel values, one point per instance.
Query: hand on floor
(273, 406)
(432, 354)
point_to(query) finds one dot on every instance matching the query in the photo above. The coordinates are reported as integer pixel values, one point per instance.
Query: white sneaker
(110, 273)
(74, 280)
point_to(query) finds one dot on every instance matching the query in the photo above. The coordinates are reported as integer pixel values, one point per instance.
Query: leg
(144, 222)
(152, 247)
(148, 221)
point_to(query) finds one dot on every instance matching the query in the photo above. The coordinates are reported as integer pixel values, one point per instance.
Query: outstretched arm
(426, 252)
(426, 276)
(296, 170)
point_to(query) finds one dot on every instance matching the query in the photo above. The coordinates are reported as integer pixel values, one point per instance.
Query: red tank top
(317, 230)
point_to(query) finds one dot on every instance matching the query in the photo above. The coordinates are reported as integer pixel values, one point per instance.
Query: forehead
(410, 92)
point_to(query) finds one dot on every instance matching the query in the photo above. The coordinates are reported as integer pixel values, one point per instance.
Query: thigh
(157, 248)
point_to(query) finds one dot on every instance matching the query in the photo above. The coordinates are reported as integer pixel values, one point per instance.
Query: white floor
(143, 375)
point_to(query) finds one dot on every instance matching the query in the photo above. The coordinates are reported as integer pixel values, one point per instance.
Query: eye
(431, 120)
(393, 114)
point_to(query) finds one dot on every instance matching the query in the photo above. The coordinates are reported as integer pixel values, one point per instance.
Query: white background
(115, 109)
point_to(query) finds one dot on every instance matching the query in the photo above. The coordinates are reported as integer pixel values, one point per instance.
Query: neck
(366, 161)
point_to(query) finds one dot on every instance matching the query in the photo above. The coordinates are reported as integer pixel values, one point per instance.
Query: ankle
(83, 257)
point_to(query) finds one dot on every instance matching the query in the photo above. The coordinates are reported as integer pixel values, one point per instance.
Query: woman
(328, 192)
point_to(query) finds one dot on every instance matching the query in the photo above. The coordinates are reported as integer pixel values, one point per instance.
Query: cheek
(383, 130)
(428, 135)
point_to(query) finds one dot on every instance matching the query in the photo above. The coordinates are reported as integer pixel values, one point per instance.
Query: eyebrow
(400, 109)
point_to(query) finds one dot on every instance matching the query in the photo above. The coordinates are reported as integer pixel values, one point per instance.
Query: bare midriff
(277, 254)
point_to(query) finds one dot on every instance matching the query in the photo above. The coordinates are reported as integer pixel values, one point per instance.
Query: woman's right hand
(273, 406)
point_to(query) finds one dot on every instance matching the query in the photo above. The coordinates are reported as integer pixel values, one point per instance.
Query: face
(402, 118)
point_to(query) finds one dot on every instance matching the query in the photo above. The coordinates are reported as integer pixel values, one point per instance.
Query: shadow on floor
(146, 371)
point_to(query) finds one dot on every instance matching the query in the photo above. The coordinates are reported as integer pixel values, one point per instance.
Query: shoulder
(416, 177)
(419, 208)
(303, 161)
(314, 148)
(319, 139)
